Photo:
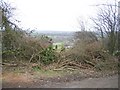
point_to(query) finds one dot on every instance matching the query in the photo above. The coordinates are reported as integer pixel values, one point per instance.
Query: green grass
(60, 46)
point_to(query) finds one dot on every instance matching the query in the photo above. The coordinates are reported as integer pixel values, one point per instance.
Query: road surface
(102, 82)
(106, 82)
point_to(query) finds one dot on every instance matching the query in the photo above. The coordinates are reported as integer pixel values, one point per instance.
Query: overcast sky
(53, 15)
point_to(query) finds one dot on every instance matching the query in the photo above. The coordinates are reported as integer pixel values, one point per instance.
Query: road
(106, 82)
(103, 82)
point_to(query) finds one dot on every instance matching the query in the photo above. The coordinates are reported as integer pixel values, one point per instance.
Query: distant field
(58, 36)
(58, 46)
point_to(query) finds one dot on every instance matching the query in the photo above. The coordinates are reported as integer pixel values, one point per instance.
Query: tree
(84, 35)
(11, 33)
(19, 45)
(107, 23)
(7, 14)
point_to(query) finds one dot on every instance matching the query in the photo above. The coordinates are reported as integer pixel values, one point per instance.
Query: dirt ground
(81, 79)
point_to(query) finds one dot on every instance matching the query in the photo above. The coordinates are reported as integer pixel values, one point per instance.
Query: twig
(31, 58)
(8, 64)
(88, 62)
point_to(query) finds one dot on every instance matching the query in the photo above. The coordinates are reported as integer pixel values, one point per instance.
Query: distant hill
(57, 36)
(60, 36)
(62, 33)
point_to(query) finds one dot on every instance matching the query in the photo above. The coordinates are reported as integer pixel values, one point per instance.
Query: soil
(83, 79)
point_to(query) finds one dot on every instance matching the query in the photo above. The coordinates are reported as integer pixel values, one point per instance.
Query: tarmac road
(106, 82)
(101, 82)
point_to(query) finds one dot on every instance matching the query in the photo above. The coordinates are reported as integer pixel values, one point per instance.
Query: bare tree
(107, 23)
(84, 35)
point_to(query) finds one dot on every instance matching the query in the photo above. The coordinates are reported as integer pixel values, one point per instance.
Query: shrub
(48, 56)
(19, 45)
(91, 54)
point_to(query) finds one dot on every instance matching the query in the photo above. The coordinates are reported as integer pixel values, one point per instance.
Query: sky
(54, 15)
